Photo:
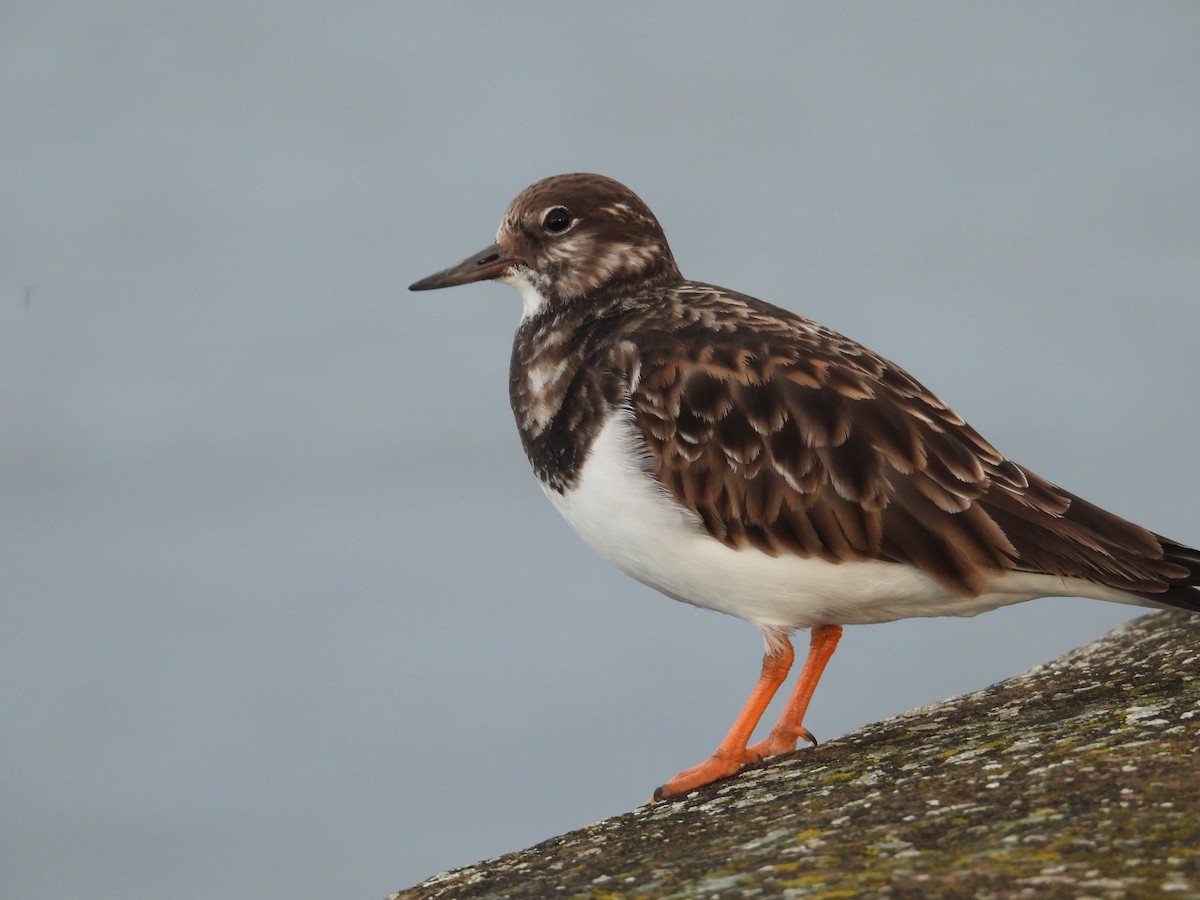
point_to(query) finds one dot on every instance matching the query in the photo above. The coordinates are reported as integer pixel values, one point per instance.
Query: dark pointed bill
(490, 262)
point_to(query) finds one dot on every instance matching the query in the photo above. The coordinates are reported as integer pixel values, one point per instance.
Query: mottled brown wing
(800, 441)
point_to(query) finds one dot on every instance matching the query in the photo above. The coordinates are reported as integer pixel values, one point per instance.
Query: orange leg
(789, 729)
(731, 755)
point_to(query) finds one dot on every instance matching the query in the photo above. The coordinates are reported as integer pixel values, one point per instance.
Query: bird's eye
(558, 220)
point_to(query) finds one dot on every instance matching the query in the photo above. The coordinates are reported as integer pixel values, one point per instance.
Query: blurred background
(284, 613)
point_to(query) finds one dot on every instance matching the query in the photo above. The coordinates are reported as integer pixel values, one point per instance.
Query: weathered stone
(1079, 778)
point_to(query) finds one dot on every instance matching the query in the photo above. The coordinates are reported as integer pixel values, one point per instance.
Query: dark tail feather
(1183, 592)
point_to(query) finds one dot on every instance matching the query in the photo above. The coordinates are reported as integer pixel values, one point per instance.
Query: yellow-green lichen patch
(1078, 778)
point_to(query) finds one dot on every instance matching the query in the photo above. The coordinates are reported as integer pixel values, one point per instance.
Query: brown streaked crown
(573, 235)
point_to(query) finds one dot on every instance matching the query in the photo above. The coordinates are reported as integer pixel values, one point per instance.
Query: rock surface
(1078, 778)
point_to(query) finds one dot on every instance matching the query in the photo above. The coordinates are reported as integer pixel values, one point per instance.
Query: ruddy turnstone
(738, 457)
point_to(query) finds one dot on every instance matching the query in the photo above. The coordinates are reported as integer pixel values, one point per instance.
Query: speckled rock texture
(1079, 778)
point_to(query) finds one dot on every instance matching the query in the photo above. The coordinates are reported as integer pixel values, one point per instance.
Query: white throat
(532, 299)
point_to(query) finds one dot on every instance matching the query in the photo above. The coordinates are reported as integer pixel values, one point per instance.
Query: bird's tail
(1184, 591)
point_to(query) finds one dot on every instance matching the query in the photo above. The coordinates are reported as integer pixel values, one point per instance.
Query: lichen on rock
(1080, 777)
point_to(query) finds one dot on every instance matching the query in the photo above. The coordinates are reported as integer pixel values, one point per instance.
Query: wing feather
(790, 438)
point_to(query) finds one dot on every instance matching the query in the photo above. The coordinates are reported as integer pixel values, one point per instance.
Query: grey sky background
(284, 612)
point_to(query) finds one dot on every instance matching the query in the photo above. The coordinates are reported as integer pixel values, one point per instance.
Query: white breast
(621, 511)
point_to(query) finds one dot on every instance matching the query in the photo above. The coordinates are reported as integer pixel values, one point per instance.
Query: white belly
(634, 524)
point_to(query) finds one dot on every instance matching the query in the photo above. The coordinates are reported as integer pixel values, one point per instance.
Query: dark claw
(659, 793)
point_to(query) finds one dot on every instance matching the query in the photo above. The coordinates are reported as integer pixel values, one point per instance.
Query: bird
(739, 457)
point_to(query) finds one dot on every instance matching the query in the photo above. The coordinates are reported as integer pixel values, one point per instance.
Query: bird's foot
(719, 765)
(778, 742)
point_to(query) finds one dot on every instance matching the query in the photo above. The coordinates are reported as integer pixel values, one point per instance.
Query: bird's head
(567, 237)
